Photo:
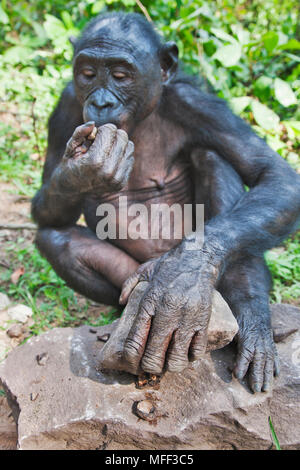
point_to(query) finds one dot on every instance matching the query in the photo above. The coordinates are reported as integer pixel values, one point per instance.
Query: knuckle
(177, 362)
(123, 135)
(246, 354)
(132, 349)
(152, 363)
(110, 128)
(130, 148)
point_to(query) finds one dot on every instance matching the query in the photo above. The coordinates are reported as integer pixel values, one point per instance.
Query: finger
(117, 152)
(158, 341)
(256, 375)
(129, 150)
(128, 287)
(243, 360)
(79, 135)
(136, 341)
(177, 354)
(104, 140)
(268, 374)
(198, 345)
(124, 170)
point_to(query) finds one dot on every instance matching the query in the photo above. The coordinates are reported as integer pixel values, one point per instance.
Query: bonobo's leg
(246, 282)
(90, 266)
(245, 286)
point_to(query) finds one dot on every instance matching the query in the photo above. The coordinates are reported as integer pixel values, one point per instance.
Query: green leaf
(270, 40)
(228, 55)
(283, 93)
(98, 6)
(291, 44)
(262, 87)
(3, 16)
(242, 34)
(219, 33)
(239, 104)
(54, 27)
(17, 55)
(66, 17)
(264, 116)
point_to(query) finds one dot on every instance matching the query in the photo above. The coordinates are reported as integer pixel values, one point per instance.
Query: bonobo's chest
(147, 217)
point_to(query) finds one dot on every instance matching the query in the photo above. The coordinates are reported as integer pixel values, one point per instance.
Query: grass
(52, 302)
(273, 434)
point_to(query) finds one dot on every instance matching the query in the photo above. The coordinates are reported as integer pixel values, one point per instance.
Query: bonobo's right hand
(96, 164)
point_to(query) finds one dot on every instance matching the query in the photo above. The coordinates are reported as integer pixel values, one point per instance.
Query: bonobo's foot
(257, 353)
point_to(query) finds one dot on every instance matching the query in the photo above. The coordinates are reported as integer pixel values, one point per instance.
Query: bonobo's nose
(102, 98)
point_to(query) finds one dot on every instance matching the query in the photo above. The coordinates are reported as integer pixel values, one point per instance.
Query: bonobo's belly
(145, 222)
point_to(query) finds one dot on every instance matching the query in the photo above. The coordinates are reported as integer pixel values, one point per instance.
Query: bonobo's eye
(88, 73)
(119, 75)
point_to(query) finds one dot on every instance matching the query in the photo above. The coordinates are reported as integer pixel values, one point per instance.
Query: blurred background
(248, 51)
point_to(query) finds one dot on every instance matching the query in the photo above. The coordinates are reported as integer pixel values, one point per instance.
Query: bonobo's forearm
(54, 207)
(93, 267)
(262, 218)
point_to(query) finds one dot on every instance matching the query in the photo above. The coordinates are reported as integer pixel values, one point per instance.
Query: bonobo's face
(118, 77)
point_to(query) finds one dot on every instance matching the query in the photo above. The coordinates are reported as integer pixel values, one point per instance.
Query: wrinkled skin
(174, 312)
(160, 137)
(97, 164)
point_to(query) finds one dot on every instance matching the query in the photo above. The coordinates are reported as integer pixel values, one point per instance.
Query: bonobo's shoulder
(67, 115)
(193, 92)
(68, 100)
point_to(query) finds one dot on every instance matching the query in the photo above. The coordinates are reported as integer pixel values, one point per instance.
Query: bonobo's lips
(100, 120)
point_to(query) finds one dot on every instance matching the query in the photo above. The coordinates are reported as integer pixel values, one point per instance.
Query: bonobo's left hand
(171, 326)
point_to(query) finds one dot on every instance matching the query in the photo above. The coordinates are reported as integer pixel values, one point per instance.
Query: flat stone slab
(61, 401)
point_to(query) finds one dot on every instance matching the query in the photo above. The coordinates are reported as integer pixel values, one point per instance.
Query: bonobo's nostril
(102, 105)
(102, 99)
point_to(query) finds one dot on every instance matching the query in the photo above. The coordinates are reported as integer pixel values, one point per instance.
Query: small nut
(42, 358)
(103, 338)
(144, 409)
(93, 134)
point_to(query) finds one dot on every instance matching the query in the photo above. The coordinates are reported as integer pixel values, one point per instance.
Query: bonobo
(131, 124)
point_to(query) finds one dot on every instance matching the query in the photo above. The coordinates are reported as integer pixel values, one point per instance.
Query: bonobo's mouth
(100, 120)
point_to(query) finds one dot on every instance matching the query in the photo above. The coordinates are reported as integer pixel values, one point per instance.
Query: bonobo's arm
(270, 210)
(49, 207)
(94, 161)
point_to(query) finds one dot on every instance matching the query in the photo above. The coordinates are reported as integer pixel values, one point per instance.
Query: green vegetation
(273, 434)
(249, 53)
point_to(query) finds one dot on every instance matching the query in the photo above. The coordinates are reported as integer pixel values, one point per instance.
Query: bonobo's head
(120, 68)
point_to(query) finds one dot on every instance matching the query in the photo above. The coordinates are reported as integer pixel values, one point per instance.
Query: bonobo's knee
(49, 239)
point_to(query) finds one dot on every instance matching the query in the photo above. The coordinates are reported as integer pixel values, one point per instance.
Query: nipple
(160, 182)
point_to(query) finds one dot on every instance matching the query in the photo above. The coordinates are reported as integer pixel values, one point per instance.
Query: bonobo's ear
(168, 60)
(73, 40)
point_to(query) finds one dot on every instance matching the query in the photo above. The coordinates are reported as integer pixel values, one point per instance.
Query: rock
(9, 334)
(8, 428)
(5, 345)
(221, 330)
(15, 331)
(4, 301)
(76, 406)
(19, 313)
